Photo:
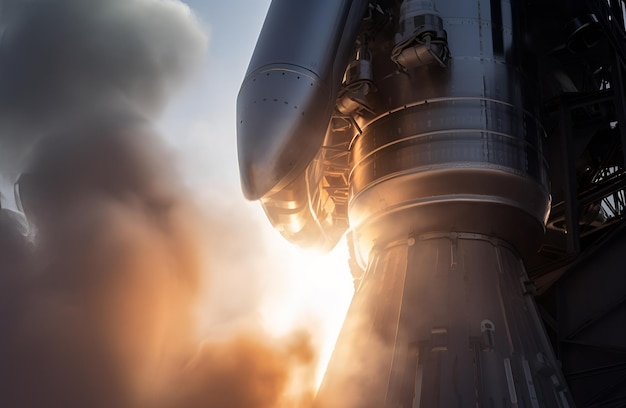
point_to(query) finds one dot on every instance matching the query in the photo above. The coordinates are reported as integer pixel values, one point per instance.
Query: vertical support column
(616, 9)
(620, 101)
(569, 178)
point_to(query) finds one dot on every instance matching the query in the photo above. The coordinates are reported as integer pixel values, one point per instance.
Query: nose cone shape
(282, 117)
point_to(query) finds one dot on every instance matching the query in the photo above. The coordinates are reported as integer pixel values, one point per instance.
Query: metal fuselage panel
(289, 91)
(455, 148)
(443, 321)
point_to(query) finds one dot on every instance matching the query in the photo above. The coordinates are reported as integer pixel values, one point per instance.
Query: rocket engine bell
(427, 146)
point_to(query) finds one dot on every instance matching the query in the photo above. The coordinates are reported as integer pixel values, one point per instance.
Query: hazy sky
(202, 119)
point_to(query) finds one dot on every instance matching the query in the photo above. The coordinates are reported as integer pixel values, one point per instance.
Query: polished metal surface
(304, 212)
(444, 187)
(455, 148)
(421, 39)
(289, 91)
(443, 320)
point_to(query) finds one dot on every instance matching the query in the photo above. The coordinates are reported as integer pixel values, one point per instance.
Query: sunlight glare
(313, 292)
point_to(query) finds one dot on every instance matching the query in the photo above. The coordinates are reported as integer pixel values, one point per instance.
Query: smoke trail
(61, 60)
(99, 310)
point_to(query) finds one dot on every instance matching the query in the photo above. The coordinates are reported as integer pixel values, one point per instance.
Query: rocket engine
(414, 126)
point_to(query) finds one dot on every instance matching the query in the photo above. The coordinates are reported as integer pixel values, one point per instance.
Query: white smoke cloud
(66, 59)
(99, 310)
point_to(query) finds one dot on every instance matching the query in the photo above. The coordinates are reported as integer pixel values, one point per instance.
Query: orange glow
(312, 291)
(260, 278)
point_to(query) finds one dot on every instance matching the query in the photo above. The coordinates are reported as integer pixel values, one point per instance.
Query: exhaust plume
(98, 308)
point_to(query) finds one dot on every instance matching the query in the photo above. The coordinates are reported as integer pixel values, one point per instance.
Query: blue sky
(201, 121)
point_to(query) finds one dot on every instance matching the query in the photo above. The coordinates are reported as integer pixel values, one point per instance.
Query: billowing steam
(98, 308)
(61, 60)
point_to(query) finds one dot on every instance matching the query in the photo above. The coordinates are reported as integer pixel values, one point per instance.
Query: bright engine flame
(298, 290)
(312, 289)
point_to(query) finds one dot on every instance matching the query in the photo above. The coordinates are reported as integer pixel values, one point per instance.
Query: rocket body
(443, 321)
(432, 159)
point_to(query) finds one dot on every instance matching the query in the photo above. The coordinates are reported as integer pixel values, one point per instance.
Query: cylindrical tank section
(289, 92)
(284, 112)
(443, 320)
(448, 186)
(454, 148)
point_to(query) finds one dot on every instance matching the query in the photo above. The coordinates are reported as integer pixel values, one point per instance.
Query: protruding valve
(421, 39)
(358, 82)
